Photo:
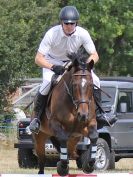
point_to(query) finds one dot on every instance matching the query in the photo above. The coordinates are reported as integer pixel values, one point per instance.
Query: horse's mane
(81, 55)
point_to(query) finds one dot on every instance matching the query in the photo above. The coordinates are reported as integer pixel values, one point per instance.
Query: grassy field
(9, 164)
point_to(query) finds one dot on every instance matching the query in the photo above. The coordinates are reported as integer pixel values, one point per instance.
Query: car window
(106, 101)
(125, 97)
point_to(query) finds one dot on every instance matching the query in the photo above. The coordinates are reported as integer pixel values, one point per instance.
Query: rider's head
(69, 14)
(69, 17)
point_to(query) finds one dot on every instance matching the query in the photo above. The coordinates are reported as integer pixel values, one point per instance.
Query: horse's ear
(90, 64)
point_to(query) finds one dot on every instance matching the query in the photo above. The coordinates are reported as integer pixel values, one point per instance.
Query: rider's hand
(58, 69)
(90, 60)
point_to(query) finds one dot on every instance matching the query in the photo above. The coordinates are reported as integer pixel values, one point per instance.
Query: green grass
(9, 164)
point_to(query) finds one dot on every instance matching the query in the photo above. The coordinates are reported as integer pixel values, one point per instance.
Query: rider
(58, 41)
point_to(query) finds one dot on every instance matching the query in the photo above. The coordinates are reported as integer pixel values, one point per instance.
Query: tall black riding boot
(102, 118)
(39, 105)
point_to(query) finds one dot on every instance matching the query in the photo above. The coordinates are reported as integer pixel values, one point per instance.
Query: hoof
(88, 167)
(62, 168)
(41, 172)
(87, 164)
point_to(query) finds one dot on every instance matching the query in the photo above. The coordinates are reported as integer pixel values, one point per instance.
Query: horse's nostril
(78, 114)
(83, 117)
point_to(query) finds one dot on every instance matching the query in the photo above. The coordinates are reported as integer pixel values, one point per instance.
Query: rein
(102, 91)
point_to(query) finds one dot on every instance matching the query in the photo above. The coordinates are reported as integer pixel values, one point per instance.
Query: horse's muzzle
(82, 117)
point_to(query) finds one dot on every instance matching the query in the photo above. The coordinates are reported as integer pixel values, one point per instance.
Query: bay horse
(69, 116)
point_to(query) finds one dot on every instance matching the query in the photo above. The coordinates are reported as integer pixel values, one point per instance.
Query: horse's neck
(62, 87)
(60, 99)
(67, 77)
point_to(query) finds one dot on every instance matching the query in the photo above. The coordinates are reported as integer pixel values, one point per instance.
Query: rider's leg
(102, 118)
(41, 100)
(39, 106)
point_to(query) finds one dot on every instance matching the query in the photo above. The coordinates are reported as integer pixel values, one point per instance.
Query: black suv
(114, 142)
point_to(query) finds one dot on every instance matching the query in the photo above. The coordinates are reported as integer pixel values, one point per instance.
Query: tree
(110, 25)
(23, 24)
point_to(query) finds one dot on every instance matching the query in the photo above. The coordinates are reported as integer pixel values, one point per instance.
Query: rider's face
(68, 27)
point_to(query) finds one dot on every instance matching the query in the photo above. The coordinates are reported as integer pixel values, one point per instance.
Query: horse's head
(81, 85)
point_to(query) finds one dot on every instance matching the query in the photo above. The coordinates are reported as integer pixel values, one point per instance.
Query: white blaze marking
(83, 82)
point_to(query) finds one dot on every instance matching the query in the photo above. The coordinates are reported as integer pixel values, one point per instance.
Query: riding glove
(58, 69)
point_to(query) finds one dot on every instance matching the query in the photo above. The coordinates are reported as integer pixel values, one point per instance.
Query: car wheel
(26, 158)
(112, 161)
(117, 159)
(51, 162)
(102, 155)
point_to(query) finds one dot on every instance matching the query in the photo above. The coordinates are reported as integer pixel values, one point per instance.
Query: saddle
(54, 82)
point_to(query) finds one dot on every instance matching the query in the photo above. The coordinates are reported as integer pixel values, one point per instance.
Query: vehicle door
(123, 129)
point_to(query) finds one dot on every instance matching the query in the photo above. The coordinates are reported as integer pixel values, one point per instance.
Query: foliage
(110, 24)
(23, 24)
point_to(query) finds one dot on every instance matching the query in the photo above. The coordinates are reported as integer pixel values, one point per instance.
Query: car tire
(26, 158)
(103, 155)
(112, 161)
(117, 159)
(51, 162)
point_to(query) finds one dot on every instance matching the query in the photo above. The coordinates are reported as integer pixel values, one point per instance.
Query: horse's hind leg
(39, 144)
(72, 148)
(62, 165)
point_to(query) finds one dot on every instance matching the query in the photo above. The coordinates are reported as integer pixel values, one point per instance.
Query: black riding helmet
(69, 14)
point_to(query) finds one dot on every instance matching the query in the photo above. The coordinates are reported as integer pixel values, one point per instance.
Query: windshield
(106, 101)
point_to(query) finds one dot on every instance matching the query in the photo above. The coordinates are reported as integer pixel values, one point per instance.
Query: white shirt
(56, 44)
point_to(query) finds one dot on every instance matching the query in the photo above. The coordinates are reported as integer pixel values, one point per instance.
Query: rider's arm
(94, 56)
(89, 46)
(41, 61)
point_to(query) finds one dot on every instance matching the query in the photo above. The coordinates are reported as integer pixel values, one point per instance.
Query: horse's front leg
(90, 155)
(93, 146)
(62, 136)
(63, 164)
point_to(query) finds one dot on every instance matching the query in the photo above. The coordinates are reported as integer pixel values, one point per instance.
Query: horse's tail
(55, 142)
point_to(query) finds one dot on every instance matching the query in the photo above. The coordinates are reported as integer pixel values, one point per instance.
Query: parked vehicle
(26, 155)
(114, 142)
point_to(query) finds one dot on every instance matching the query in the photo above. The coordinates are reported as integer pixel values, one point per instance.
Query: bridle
(70, 91)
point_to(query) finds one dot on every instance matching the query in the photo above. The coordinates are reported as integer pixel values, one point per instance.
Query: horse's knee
(93, 135)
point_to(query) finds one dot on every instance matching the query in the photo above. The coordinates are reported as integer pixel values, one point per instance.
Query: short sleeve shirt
(57, 45)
